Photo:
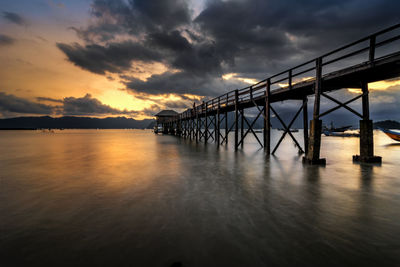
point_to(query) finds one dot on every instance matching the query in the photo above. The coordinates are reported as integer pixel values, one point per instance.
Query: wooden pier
(370, 59)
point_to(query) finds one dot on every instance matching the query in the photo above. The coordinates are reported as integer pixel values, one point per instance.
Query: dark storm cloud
(49, 99)
(6, 40)
(133, 17)
(14, 18)
(11, 103)
(274, 35)
(153, 109)
(176, 104)
(141, 15)
(115, 57)
(173, 41)
(182, 83)
(88, 105)
(254, 38)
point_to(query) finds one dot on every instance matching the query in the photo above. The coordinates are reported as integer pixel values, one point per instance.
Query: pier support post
(206, 123)
(191, 127)
(197, 126)
(226, 127)
(218, 126)
(305, 124)
(267, 119)
(314, 142)
(236, 119)
(179, 126)
(215, 127)
(366, 132)
(242, 127)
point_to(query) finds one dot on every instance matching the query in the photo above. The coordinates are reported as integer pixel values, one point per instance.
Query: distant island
(387, 124)
(70, 122)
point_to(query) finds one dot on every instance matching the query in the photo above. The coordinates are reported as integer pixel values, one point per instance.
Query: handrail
(250, 91)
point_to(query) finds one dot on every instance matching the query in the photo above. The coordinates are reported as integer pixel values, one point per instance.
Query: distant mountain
(69, 122)
(388, 124)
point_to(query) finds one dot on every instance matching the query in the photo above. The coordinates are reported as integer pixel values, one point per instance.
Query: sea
(135, 198)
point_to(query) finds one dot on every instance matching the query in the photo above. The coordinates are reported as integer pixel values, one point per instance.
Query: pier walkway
(370, 59)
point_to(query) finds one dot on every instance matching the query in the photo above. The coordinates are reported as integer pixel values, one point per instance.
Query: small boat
(395, 135)
(337, 129)
(341, 134)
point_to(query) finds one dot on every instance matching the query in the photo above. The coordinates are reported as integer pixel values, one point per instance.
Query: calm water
(131, 198)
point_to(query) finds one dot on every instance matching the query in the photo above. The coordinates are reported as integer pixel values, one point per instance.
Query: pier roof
(166, 113)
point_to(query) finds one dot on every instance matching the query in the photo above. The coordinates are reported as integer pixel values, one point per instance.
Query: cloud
(176, 104)
(49, 99)
(136, 17)
(252, 38)
(13, 104)
(115, 57)
(6, 40)
(15, 18)
(182, 83)
(88, 105)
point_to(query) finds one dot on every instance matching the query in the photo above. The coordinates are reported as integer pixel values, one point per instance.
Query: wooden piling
(197, 125)
(267, 119)
(226, 121)
(217, 130)
(206, 123)
(314, 143)
(242, 126)
(305, 124)
(236, 119)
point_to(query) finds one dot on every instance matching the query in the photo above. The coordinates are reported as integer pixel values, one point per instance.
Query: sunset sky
(135, 57)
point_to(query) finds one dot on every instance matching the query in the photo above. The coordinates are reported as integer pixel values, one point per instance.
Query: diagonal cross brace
(230, 129)
(340, 104)
(201, 134)
(287, 129)
(211, 133)
(251, 127)
(221, 120)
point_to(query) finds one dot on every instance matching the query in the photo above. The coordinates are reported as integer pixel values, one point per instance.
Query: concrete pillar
(366, 132)
(314, 144)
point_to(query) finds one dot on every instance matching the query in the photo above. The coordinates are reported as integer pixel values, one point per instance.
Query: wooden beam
(250, 129)
(267, 119)
(236, 119)
(305, 124)
(365, 101)
(206, 125)
(217, 139)
(340, 104)
(287, 130)
(242, 125)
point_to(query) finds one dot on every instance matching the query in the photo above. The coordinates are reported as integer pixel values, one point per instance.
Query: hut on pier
(161, 118)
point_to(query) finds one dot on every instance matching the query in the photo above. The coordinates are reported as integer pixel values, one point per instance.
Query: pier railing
(290, 77)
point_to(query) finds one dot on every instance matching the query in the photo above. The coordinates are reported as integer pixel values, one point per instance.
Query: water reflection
(130, 198)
